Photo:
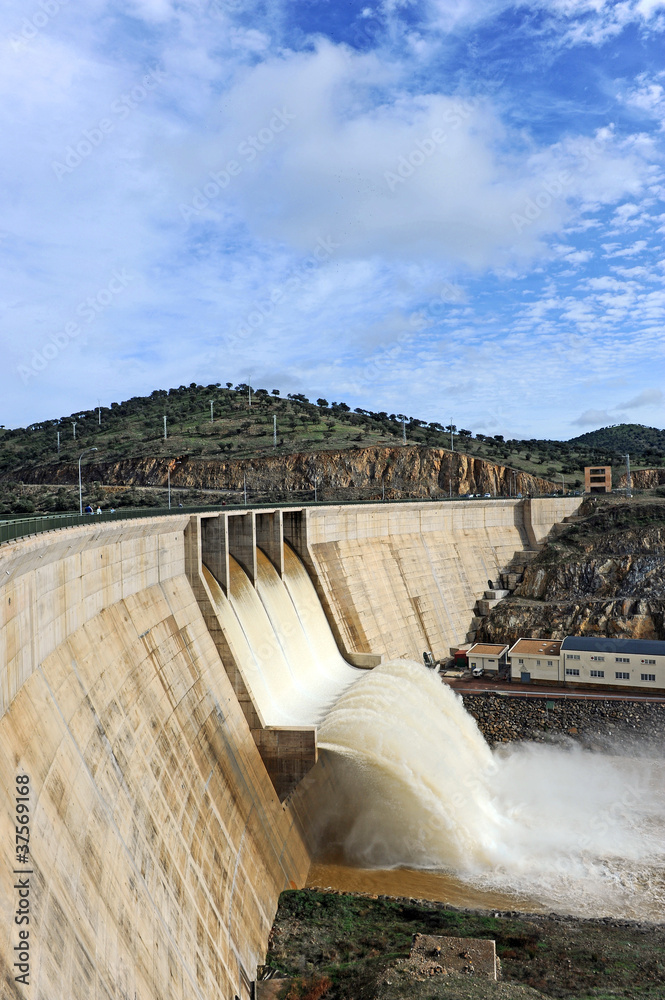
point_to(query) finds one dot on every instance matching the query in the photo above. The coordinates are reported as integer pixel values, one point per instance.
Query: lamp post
(80, 486)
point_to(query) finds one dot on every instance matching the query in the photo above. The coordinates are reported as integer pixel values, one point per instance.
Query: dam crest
(150, 693)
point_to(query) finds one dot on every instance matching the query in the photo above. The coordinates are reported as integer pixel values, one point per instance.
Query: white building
(627, 663)
(487, 656)
(590, 661)
(536, 660)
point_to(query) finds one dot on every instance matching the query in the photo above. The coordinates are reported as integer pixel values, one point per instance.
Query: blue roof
(603, 644)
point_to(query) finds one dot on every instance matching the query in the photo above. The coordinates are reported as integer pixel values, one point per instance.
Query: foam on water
(416, 785)
(280, 638)
(419, 787)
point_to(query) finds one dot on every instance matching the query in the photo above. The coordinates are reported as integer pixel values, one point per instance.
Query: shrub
(307, 988)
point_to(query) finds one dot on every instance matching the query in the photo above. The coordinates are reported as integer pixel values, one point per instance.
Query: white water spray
(409, 780)
(419, 787)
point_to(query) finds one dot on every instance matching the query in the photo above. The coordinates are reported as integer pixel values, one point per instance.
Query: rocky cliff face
(604, 575)
(645, 479)
(420, 471)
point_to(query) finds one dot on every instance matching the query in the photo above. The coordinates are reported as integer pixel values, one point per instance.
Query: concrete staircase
(509, 579)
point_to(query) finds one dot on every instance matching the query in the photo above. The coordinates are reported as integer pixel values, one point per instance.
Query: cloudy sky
(450, 208)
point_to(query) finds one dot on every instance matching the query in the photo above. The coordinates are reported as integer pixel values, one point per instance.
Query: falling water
(281, 640)
(419, 787)
(416, 785)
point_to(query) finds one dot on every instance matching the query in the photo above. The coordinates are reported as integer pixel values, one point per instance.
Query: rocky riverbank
(606, 723)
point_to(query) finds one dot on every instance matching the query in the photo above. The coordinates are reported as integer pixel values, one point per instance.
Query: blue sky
(450, 208)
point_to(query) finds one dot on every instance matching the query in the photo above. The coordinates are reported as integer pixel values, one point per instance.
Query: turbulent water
(417, 786)
(407, 779)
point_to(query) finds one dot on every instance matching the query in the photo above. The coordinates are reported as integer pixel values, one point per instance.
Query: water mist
(416, 785)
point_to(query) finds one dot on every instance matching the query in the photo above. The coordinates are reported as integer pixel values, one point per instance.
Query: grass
(352, 939)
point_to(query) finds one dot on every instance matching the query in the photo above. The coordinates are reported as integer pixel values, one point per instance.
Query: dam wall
(158, 842)
(158, 846)
(397, 580)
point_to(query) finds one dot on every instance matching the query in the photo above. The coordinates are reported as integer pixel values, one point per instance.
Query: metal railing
(21, 526)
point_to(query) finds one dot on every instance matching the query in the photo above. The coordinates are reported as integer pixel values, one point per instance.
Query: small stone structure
(435, 955)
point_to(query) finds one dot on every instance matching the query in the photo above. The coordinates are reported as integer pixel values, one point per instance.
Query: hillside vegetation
(225, 422)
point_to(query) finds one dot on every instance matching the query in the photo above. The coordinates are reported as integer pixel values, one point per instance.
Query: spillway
(408, 780)
(282, 642)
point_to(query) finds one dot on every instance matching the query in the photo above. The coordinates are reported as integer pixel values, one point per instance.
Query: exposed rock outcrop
(604, 575)
(421, 471)
(644, 479)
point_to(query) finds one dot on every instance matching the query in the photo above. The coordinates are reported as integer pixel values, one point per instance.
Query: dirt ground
(362, 945)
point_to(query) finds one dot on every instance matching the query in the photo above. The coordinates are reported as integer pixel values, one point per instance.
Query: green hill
(639, 441)
(243, 423)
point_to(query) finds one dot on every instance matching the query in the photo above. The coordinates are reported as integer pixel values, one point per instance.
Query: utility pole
(403, 430)
(74, 428)
(58, 433)
(316, 497)
(629, 482)
(452, 442)
(563, 485)
(249, 392)
(211, 412)
(274, 430)
(383, 489)
(165, 427)
(99, 414)
(244, 487)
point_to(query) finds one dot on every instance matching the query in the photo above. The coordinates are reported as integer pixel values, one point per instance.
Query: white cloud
(593, 418)
(648, 397)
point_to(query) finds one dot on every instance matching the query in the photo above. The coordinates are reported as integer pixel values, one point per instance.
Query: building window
(622, 659)
(600, 659)
(572, 672)
(521, 662)
(651, 663)
(648, 677)
(622, 675)
(597, 673)
(491, 661)
(572, 656)
(550, 663)
(537, 663)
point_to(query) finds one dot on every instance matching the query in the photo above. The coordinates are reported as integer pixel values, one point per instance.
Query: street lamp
(80, 487)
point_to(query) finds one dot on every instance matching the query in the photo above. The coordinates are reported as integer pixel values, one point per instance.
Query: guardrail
(19, 527)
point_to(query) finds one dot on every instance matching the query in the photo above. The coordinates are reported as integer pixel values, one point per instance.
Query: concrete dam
(161, 685)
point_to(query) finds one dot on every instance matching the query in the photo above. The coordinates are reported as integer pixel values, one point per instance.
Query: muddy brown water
(410, 882)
